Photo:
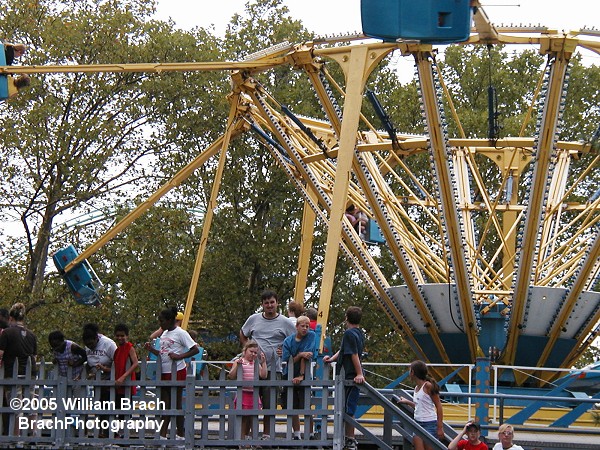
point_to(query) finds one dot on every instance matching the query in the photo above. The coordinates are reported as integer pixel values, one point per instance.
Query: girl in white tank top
(427, 404)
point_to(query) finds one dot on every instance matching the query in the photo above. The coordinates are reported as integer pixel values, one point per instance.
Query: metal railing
(54, 412)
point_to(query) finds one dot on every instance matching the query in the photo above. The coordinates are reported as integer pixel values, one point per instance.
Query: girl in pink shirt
(246, 362)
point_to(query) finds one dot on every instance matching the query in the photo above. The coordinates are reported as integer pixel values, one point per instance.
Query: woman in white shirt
(505, 436)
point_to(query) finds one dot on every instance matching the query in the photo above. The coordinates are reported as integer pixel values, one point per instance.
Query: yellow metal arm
(181, 176)
(545, 148)
(150, 68)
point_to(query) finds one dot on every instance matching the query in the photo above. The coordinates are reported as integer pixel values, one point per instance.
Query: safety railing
(55, 412)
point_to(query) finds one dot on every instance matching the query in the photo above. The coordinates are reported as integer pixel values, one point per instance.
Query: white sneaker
(350, 444)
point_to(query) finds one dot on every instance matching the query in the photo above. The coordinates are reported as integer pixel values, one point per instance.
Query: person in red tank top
(125, 360)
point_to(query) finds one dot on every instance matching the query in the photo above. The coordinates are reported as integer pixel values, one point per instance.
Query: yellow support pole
(561, 49)
(208, 217)
(357, 60)
(149, 68)
(308, 227)
(454, 234)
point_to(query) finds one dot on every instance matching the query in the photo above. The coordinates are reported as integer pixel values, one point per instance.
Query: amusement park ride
(503, 265)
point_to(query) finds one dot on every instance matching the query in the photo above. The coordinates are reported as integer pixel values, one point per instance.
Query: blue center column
(482, 386)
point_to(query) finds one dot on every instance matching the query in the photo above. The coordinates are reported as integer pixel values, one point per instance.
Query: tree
(261, 250)
(590, 356)
(79, 143)
(85, 142)
(86, 138)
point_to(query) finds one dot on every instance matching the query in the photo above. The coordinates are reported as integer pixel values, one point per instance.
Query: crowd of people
(101, 355)
(271, 338)
(268, 338)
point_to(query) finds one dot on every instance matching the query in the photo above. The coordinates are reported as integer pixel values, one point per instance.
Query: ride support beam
(554, 206)
(483, 26)
(440, 154)
(175, 181)
(512, 165)
(208, 216)
(461, 167)
(309, 216)
(328, 106)
(412, 145)
(303, 58)
(147, 67)
(536, 200)
(357, 65)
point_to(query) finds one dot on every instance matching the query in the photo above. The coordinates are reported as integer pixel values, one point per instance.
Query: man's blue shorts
(351, 399)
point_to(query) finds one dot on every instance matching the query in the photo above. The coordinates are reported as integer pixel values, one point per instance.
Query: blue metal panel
(430, 21)
(529, 349)
(374, 235)
(3, 78)
(562, 348)
(80, 281)
(492, 333)
(425, 341)
(457, 347)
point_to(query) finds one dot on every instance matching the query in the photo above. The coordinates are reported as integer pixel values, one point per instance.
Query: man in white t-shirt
(100, 351)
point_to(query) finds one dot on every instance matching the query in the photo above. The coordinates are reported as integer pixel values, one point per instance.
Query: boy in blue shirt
(300, 347)
(349, 357)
